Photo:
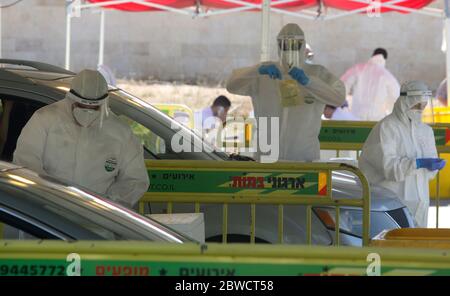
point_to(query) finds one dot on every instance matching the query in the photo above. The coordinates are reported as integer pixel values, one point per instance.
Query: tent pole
(447, 51)
(1, 35)
(101, 50)
(265, 30)
(68, 32)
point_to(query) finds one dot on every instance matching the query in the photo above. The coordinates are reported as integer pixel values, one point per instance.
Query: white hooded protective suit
(374, 89)
(389, 155)
(105, 158)
(299, 124)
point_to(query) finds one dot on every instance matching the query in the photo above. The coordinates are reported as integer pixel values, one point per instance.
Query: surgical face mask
(414, 115)
(85, 117)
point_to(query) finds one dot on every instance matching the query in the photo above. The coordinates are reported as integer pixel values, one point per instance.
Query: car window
(15, 113)
(3, 130)
(4, 122)
(64, 213)
(17, 225)
(164, 127)
(87, 224)
(149, 139)
(76, 212)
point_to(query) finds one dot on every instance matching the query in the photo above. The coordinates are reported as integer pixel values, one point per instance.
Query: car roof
(37, 66)
(34, 74)
(6, 166)
(23, 71)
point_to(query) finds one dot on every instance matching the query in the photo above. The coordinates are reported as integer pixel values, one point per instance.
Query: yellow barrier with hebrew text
(50, 258)
(234, 182)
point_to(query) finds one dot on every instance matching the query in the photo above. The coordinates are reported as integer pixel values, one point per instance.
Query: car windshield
(47, 199)
(157, 123)
(154, 128)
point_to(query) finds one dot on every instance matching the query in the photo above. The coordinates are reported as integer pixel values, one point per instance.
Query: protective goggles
(292, 44)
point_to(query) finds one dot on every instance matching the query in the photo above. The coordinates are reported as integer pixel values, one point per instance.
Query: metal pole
(68, 32)
(1, 35)
(447, 42)
(101, 50)
(265, 30)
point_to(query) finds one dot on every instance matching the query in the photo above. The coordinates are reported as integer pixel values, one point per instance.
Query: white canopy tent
(75, 7)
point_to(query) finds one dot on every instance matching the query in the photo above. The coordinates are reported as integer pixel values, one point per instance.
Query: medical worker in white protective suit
(292, 90)
(400, 152)
(78, 140)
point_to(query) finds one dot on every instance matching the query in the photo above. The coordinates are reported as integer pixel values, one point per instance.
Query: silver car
(28, 86)
(40, 207)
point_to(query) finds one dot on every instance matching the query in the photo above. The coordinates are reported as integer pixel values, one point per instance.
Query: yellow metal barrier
(212, 182)
(154, 259)
(344, 135)
(179, 112)
(436, 115)
(351, 135)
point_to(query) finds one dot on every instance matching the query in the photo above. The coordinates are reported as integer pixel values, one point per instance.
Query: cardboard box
(189, 224)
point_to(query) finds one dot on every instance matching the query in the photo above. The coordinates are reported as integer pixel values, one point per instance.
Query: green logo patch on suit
(110, 164)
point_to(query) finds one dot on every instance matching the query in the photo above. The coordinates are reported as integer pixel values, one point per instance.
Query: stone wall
(167, 46)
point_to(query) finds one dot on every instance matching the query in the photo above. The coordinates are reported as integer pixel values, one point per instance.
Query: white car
(41, 207)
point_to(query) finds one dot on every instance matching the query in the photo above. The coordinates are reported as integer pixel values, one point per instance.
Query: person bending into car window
(79, 140)
(209, 121)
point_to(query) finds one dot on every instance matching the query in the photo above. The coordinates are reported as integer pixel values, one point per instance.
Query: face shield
(290, 50)
(291, 44)
(417, 101)
(309, 53)
(88, 115)
(420, 106)
(94, 102)
(89, 97)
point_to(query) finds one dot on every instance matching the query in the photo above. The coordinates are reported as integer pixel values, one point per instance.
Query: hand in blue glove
(442, 163)
(299, 75)
(270, 70)
(430, 164)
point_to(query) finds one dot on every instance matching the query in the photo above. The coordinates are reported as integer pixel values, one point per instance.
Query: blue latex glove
(441, 164)
(299, 75)
(430, 164)
(270, 70)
